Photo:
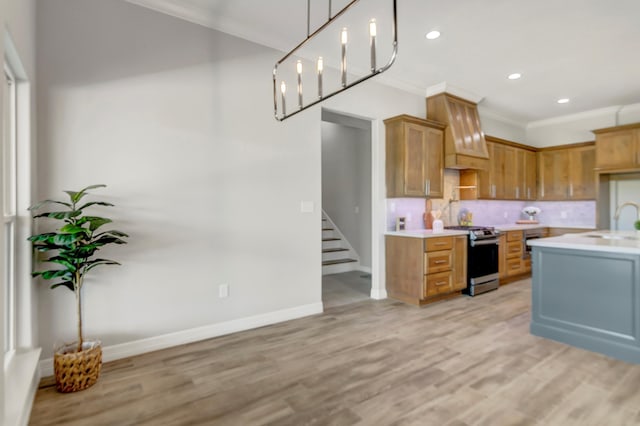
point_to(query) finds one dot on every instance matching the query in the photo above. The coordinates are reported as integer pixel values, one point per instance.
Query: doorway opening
(347, 206)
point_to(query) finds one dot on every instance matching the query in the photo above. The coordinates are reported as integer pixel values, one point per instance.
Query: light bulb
(320, 64)
(299, 67)
(283, 88)
(344, 37)
(372, 28)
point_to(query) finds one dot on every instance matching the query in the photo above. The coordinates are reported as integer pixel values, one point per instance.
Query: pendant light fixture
(316, 76)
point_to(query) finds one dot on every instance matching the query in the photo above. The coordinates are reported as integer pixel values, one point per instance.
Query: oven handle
(484, 242)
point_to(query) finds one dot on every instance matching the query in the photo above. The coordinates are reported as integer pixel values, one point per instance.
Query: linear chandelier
(316, 74)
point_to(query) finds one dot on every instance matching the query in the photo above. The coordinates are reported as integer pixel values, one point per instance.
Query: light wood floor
(466, 361)
(345, 288)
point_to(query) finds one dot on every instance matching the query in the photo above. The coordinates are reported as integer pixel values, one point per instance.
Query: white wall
(346, 184)
(177, 120)
(578, 127)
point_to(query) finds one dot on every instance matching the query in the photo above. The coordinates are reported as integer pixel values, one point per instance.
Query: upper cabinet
(567, 173)
(510, 175)
(618, 148)
(414, 163)
(464, 142)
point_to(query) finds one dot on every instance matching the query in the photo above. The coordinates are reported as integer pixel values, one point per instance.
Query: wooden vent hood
(464, 143)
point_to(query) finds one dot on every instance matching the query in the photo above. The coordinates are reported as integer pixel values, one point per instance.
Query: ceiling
(585, 50)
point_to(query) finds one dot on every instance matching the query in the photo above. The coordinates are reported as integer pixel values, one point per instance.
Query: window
(9, 207)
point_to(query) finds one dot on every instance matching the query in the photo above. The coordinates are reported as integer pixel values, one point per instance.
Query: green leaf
(55, 273)
(112, 232)
(48, 237)
(60, 215)
(93, 203)
(70, 228)
(101, 262)
(66, 284)
(64, 262)
(42, 203)
(77, 196)
(67, 239)
(95, 222)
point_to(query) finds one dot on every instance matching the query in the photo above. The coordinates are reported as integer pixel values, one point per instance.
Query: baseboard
(378, 293)
(150, 344)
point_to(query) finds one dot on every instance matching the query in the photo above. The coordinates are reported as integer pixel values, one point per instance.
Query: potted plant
(72, 248)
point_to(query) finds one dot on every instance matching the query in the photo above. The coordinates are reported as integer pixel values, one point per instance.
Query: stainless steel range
(482, 259)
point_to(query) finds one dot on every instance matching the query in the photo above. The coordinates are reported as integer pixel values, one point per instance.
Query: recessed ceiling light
(563, 101)
(432, 35)
(514, 76)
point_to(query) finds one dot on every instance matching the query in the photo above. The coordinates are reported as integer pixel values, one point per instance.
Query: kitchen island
(586, 291)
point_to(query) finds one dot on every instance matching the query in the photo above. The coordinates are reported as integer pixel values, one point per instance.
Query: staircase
(337, 254)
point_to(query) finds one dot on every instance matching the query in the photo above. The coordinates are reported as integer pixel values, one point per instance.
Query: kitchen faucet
(619, 210)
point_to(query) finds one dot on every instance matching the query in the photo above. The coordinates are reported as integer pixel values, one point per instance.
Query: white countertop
(518, 227)
(426, 233)
(626, 242)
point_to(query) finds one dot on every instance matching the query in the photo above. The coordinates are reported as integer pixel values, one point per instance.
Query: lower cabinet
(512, 264)
(422, 270)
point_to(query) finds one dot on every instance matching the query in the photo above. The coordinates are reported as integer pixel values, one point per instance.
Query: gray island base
(586, 292)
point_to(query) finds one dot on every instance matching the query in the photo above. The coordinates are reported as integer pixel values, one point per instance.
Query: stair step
(331, 239)
(333, 250)
(337, 261)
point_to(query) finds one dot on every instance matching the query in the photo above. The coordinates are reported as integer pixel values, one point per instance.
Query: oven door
(483, 260)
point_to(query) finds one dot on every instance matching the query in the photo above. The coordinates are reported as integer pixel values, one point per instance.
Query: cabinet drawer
(438, 261)
(514, 249)
(514, 266)
(515, 236)
(440, 283)
(438, 243)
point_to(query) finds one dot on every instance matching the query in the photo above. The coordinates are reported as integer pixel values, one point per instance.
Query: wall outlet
(223, 291)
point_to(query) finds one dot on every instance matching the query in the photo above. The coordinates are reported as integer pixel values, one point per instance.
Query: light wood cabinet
(530, 175)
(618, 148)
(510, 255)
(511, 174)
(422, 270)
(414, 163)
(512, 265)
(567, 173)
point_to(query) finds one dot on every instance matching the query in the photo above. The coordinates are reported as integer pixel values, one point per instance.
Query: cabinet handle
(517, 192)
(493, 190)
(427, 187)
(571, 190)
(441, 243)
(440, 262)
(441, 283)
(529, 193)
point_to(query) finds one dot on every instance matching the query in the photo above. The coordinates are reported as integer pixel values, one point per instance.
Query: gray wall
(346, 183)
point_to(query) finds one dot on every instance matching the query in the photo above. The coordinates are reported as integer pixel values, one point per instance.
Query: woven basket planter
(75, 371)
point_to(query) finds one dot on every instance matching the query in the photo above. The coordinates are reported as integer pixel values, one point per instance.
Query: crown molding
(443, 87)
(600, 112)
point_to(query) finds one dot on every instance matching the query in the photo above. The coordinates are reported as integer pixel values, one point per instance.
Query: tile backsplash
(570, 214)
